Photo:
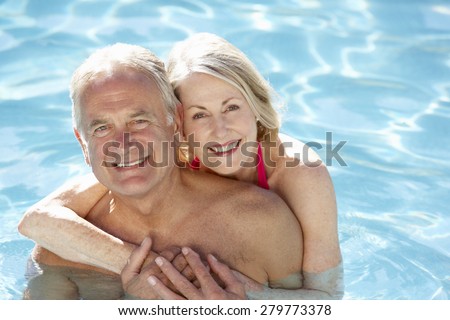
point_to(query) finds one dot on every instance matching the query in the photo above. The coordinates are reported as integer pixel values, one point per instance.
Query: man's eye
(138, 124)
(102, 131)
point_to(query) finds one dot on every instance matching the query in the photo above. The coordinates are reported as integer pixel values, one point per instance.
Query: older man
(124, 116)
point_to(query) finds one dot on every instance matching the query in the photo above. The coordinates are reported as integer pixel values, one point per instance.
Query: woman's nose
(220, 127)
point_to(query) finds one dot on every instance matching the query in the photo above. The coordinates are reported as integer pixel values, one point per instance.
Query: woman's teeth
(228, 147)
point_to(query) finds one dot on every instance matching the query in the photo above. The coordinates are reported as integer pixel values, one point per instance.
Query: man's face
(124, 126)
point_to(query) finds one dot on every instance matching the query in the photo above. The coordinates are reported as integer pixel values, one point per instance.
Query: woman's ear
(83, 146)
(179, 119)
(182, 146)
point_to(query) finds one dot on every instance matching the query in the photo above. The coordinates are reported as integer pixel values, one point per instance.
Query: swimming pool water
(375, 74)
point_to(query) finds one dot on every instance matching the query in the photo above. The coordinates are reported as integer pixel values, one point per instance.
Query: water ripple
(373, 73)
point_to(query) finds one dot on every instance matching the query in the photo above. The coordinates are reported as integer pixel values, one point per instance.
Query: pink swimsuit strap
(262, 177)
(195, 164)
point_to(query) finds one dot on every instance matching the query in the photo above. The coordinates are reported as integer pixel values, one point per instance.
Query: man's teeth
(124, 165)
(228, 147)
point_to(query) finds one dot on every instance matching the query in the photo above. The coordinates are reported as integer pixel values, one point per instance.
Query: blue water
(373, 73)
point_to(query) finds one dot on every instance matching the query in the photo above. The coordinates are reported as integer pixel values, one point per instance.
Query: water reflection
(375, 73)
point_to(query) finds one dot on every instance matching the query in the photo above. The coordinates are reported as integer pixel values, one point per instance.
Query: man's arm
(58, 224)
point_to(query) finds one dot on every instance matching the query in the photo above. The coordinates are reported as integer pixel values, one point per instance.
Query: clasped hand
(179, 274)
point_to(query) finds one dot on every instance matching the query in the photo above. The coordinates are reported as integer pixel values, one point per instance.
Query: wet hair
(210, 54)
(104, 62)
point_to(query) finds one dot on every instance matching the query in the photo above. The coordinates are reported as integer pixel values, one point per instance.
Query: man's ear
(83, 146)
(179, 118)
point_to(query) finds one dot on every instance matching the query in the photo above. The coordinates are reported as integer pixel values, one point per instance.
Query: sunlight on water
(374, 73)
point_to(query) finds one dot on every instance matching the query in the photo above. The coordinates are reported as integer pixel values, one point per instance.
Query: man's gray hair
(124, 56)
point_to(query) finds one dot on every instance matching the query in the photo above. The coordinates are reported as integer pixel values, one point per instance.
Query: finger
(170, 253)
(154, 270)
(163, 292)
(151, 269)
(136, 260)
(183, 285)
(188, 273)
(249, 284)
(183, 267)
(200, 271)
(232, 283)
(196, 284)
(179, 262)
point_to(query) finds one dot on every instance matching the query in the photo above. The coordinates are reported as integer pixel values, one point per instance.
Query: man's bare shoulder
(255, 209)
(243, 197)
(270, 230)
(246, 213)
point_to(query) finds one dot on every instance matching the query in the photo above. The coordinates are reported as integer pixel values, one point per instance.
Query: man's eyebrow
(140, 113)
(96, 122)
(133, 115)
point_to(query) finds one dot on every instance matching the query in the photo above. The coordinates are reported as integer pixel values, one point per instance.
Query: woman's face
(218, 118)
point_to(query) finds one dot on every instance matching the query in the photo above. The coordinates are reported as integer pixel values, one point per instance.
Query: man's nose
(119, 136)
(124, 140)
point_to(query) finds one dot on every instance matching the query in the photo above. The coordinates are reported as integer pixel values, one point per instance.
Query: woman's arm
(308, 190)
(327, 285)
(235, 283)
(58, 224)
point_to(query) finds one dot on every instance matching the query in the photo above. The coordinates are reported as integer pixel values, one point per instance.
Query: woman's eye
(198, 115)
(232, 107)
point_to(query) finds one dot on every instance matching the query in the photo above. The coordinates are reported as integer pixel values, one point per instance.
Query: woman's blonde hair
(210, 54)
